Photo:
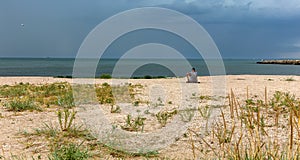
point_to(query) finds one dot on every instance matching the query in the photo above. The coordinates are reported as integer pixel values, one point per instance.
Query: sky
(240, 28)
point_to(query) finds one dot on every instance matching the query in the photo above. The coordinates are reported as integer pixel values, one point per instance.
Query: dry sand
(12, 124)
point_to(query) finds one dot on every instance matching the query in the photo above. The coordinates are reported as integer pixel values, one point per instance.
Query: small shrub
(148, 77)
(105, 76)
(68, 76)
(159, 102)
(104, 94)
(69, 152)
(66, 101)
(136, 103)
(290, 79)
(163, 116)
(205, 97)
(22, 104)
(161, 77)
(134, 124)
(147, 112)
(14, 91)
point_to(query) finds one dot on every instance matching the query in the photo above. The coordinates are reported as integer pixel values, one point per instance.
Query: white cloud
(281, 8)
(297, 44)
(273, 8)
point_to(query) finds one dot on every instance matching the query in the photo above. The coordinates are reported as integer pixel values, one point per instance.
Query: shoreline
(7, 80)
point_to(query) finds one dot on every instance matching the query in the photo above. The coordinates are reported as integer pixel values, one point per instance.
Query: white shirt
(193, 77)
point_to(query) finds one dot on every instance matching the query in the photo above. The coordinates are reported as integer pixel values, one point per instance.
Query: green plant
(47, 130)
(65, 119)
(69, 152)
(290, 79)
(160, 77)
(22, 104)
(53, 94)
(14, 91)
(187, 115)
(163, 116)
(202, 97)
(223, 134)
(147, 77)
(147, 112)
(104, 94)
(105, 76)
(159, 102)
(122, 154)
(257, 137)
(134, 124)
(205, 111)
(66, 100)
(136, 103)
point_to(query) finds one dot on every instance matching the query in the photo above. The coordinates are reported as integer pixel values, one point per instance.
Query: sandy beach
(12, 124)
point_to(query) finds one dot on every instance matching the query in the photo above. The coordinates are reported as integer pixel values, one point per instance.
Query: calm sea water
(64, 67)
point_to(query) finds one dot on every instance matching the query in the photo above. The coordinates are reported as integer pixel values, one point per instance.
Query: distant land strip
(287, 62)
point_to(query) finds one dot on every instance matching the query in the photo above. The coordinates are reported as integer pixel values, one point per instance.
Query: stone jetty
(288, 62)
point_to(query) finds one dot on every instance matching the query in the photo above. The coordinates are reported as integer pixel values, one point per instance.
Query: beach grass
(21, 104)
(253, 130)
(70, 151)
(62, 137)
(22, 97)
(248, 127)
(163, 116)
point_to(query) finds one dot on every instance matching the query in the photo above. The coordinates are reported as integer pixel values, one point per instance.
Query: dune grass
(22, 97)
(134, 123)
(253, 130)
(69, 152)
(22, 104)
(163, 116)
(62, 137)
(247, 128)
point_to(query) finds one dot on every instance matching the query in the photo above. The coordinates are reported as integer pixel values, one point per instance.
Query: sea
(63, 67)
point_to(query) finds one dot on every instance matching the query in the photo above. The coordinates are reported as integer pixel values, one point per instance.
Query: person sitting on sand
(192, 76)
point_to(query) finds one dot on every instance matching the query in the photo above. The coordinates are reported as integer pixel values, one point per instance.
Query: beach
(167, 91)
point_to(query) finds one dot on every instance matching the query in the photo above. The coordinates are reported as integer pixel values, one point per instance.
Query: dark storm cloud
(241, 28)
(55, 28)
(248, 29)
